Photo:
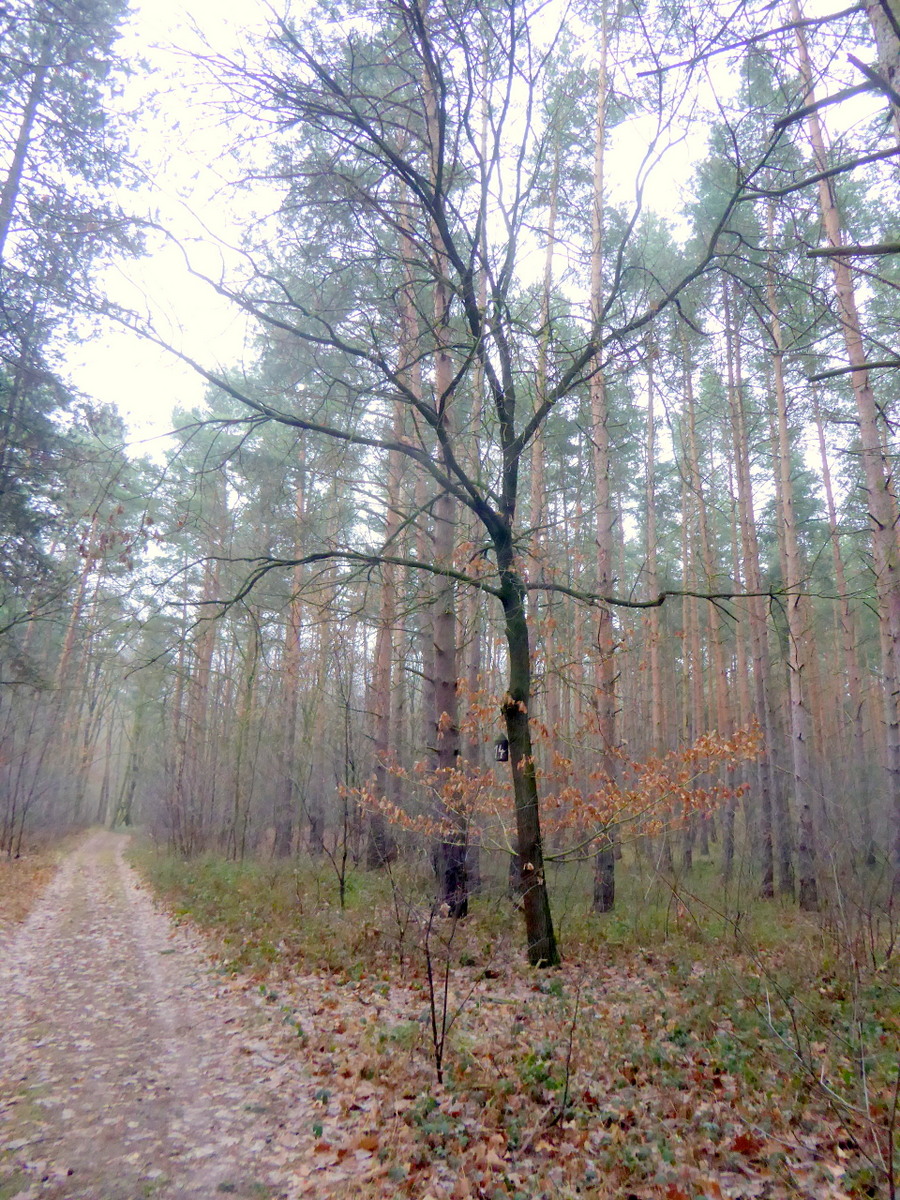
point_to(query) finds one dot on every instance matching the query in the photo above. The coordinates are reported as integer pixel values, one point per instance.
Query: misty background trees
(534, 520)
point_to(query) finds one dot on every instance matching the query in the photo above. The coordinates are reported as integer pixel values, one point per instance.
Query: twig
(568, 1076)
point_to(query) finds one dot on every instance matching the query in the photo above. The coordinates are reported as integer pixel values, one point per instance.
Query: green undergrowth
(270, 911)
(261, 913)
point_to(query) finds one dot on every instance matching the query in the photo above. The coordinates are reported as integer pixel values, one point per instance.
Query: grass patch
(284, 913)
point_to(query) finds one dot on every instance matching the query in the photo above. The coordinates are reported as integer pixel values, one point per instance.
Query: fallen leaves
(746, 1143)
(21, 882)
(662, 1105)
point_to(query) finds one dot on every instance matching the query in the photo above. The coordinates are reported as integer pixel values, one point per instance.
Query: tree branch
(595, 599)
(866, 366)
(366, 559)
(863, 160)
(800, 114)
(805, 23)
(874, 249)
(876, 80)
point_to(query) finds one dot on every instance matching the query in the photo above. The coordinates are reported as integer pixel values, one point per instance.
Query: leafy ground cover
(682, 1051)
(23, 879)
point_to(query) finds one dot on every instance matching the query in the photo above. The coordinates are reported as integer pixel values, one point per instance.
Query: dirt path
(127, 1070)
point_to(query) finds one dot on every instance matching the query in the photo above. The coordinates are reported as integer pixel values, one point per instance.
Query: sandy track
(128, 1070)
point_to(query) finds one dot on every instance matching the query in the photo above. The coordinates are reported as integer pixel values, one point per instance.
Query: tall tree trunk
(242, 793)
(13, 181)
(542, 948)
(72, 684)
(543, 608)
(884, 17)
(604, 897)
(196, 779)
(693, 693)
(880, 501)
(797, 610)
(452, 851)
(382, 846)
(285, 798)
(768, 807)
(707, 579)
(855, 778)
(655, 741)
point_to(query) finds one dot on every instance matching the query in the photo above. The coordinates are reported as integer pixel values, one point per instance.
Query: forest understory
(511, 575)
(695, 1044)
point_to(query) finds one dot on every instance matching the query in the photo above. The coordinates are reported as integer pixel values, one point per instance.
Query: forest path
(127, 1070)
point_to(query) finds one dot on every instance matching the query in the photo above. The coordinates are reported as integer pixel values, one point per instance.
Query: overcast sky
(174, 138)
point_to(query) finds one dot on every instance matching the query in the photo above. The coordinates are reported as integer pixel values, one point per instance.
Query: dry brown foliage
(23, 879)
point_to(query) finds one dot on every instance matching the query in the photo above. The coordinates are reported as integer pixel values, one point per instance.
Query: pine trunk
(604, 898)
(877, 475)
(797, 613)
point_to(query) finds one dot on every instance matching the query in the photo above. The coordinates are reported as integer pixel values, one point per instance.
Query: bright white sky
(121, 368)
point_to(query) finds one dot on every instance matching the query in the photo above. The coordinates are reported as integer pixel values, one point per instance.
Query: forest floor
(141, 1058)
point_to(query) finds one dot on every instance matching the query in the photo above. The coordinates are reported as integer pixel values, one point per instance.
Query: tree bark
(880, 501)
(604, 698)
(707, 578)
(13, 180)
(452, 850)
(855, 779)
(769, 807)
(542, 948)
(797, 610)
(884, 17)
(285, 802)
